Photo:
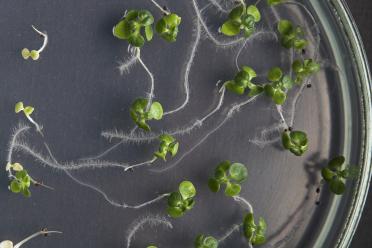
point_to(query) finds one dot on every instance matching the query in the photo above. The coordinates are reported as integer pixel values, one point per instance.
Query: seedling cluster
(242, 19)
(168, 144)
(291, 36)
(336, 173)
(181, 201)
(232, 175)
(136, 25)
(255, 233)
(295, 141)
(141, 113)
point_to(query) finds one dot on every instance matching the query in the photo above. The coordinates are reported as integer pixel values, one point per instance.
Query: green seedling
(335, 174)
(254, 233)
(291, 36)
(9, 244)
(132, 26)
(304, 69)
(20, 180)
(202, 241)
(243, 81)
(232, 175)
(242, 19)
(28, 110)
(168, 27)
(141, 112)
(35, 54)
(295, 141)
(168, 144)
(181, 201)
(278, 86)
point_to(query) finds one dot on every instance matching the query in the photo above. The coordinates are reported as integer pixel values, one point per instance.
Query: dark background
(362, 12)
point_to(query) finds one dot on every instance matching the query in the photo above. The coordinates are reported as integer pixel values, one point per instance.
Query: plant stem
(42, 232)
(244, 203)
(160, 8)
(44, 35)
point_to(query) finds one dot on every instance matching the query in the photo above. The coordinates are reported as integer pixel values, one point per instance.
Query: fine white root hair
(220, 8)
(44, 35)
(229, 115)
(229, 232)
(148, 137)
(126, 65)
(152, 221)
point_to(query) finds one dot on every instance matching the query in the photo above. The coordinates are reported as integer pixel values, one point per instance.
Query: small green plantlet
(275, 2)
(140, 112)
(278, 86)
(243, 81)
(242, 18)
(335, 174)
(28, 110)
(168, 144)
(181, 201)
(202, 241)
(9, 244)
(304, 69)
(21, 183)
(35, 54)
(230, 174)
(167, 27)
(291, 36)
(254, 233)
(131, 27)
(152, 246)
(295, 141)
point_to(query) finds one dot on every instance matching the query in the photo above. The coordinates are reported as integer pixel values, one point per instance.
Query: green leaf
(156, 111)
(269, 90)
(299, 44)
(175, 212)
(337, 186)
(145, 18)
(19, 107)
(275, 74)
(35, 55)
(15, 187)
(298, 138)
(238, 172)
(122, 30)
(285, 27)
(173, 148)
(327, 174)
(28, 110)
(233, 87)
(136, 40)
(202, 241)
(249, 70)
(230, 28)
(336, 163)
(236, 13)
(25, 53)
(149, 33)
(187, 190)
(26, 192)
(279, 97)
(225, 165)
(232, 189)
(214, 185)
(255, 90)
(175, 199)
(287, 82)
(253, 11)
